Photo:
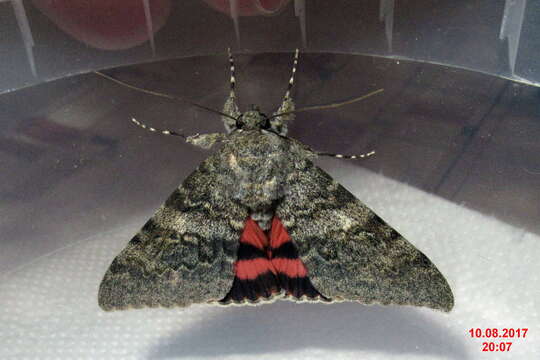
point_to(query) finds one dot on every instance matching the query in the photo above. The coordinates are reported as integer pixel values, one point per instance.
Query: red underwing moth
(257, 221)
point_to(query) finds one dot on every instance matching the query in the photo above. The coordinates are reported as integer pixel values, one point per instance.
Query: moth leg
(205, 141)
(156, 130)
(341, 156)
(231, 108)
(279, 123)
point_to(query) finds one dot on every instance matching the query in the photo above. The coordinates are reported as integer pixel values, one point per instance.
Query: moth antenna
(156, 130)
(341, 156)
(163, 95)
(293, 72)
(232, 68)
(231, 107)
(329, 106)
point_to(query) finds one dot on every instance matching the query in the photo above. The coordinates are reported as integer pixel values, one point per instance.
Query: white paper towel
(48, 309)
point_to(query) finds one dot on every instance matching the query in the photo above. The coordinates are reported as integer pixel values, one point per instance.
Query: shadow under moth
(257, 220)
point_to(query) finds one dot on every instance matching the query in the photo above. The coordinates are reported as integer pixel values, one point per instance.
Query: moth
(258, 221)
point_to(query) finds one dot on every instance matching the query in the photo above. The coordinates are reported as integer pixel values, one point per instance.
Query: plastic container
(456, 169)
(65, 38)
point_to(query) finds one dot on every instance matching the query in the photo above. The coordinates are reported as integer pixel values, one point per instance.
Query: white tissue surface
(48, 308)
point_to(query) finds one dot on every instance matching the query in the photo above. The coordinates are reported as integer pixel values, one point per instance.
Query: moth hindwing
(258, 220)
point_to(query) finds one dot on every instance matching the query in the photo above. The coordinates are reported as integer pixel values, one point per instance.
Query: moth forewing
(258, 221)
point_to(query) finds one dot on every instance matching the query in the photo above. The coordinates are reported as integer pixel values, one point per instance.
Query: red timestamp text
(493, 346)
(498, 333)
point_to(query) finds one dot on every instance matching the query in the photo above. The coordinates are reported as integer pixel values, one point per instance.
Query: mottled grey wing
(350, 252)
(184, 254)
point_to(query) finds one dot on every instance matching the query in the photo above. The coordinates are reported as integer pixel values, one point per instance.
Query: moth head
(253, 119)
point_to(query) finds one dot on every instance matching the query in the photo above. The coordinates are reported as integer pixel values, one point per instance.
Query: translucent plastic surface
(68, 37)
(468, 137)
(456, 169)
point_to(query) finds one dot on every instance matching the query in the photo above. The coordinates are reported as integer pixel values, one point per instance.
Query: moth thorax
(253, 119)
